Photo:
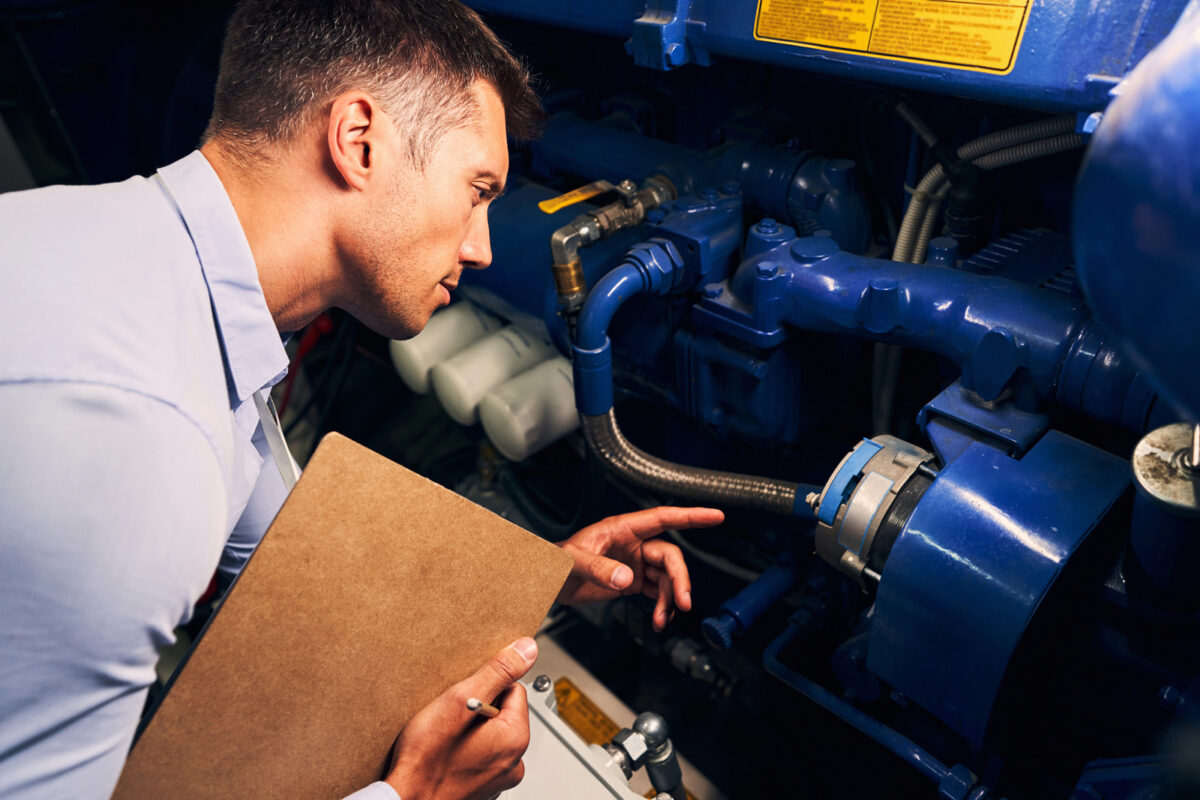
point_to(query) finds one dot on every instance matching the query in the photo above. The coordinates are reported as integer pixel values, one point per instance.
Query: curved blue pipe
(603, 301)
(652, 267)
(1002, 334)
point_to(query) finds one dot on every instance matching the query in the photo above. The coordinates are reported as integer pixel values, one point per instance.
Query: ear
(355, 134)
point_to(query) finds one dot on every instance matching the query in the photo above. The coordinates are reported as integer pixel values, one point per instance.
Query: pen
(480, 707)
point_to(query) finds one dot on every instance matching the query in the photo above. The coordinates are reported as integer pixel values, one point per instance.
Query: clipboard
(372, 592)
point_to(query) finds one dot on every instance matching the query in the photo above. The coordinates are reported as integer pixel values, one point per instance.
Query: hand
(617, 556)
(446, 751)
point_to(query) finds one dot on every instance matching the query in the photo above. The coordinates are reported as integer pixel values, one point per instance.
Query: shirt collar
(254, 354)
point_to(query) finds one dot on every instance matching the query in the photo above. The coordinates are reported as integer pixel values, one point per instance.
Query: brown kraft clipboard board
(372, 592)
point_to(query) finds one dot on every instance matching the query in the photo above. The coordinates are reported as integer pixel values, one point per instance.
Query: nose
(476, 250)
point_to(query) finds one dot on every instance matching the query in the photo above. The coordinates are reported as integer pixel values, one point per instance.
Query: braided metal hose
(908, 235)
(691, 483)
(1026, 151)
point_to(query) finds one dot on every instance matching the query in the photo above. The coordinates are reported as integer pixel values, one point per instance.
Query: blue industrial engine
(761, 232)
(908, 287)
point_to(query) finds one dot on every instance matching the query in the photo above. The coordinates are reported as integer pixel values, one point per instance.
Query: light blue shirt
(133, 335)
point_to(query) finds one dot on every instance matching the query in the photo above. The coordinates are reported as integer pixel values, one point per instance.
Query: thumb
(603, 572)
(502, 670)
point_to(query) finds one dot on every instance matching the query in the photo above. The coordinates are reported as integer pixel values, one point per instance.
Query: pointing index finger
(653, 521)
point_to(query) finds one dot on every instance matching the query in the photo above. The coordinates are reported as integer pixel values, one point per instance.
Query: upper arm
(114, 518)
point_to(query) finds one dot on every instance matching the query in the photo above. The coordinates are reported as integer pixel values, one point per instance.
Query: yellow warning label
(582, 715)
(586, 719)
(576, 196)
(980, 35)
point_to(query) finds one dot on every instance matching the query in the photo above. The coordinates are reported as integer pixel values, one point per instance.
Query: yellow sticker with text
(576, 196)
(979, 35)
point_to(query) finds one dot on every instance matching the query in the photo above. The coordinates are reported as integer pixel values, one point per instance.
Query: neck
(284, 215)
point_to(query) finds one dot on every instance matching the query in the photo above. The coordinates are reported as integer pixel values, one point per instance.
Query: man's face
(427, 226)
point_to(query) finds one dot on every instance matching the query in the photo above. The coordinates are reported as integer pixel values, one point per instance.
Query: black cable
(535, 511)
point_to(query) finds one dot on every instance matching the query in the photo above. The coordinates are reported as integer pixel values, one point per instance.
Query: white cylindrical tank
(532, 410)
(448, 331)
(462, 380)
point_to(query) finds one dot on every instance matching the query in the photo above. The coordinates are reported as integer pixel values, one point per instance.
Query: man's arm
(114, 518)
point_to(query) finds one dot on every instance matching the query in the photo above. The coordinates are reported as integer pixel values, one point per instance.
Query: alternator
(866, 503)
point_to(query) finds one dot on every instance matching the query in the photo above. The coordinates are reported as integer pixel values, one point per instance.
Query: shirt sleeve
(376, 791)
(114, 519)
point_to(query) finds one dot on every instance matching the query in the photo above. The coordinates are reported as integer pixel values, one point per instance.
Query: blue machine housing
(757, 309)
(971, 567)
(1073, 51)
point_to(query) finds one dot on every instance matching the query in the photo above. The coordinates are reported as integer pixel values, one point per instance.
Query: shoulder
(102, 283)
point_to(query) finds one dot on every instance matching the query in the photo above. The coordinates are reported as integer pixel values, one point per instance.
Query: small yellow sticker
(979, 35)
(576, 196)
(582, 715)
(586, 719)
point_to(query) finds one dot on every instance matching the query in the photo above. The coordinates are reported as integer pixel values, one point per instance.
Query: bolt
(542, 683)
(766, 269)
(709, 194)
(628, 185)
(713, 291)
(731, 187)
(768, 226)
(655, 216)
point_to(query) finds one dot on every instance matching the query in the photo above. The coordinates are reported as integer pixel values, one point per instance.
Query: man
(353, 152)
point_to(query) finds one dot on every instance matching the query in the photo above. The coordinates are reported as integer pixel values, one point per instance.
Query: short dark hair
(284, 59)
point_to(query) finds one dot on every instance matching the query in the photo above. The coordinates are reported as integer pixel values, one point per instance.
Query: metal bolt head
(628, 185)
(766, 269)
(768, 225)
(709, 194)
(542, 683)
(713, 291)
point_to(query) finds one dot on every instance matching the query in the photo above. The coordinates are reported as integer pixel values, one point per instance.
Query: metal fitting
(866, 503)
(542, 683)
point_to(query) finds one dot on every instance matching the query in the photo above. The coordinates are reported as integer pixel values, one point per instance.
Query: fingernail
(622, 577)
(527, 648)
(687, 596)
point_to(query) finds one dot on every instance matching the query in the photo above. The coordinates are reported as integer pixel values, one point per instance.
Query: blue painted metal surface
(954, 420)
(785, 182)
(1073, 51)
(844, 479)
(964, 579)
(739, 612)
(1137, 216)
(696, 241)
(1002, 334)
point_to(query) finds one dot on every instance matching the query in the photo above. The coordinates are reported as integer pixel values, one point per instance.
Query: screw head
(542, 683)
(709, 194)
(713, 291)
(766, 269)
(768, 225)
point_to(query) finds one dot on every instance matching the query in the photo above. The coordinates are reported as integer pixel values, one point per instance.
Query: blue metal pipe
(653, 267)
(603, 301)
(1002, 334)
(739, 612)
(893, 741)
